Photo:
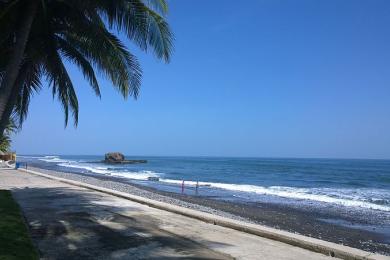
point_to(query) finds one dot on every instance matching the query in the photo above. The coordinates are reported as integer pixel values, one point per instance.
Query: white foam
(339, 197)
(42, 158)
(30, 157)
(53, 159)
(140, 175)
(69, 164)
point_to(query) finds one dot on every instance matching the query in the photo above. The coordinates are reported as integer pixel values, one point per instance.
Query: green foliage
(5, 143)
(84, 34)
(5, 139)
(15, 242)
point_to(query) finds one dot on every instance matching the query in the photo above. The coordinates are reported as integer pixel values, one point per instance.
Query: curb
(312, 244)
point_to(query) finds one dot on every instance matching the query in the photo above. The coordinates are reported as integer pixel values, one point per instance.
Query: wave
(46, 158)
(363, 198)
(53, 158)
(32, 157)
(140, 175)
(71, 164)
(116, 172)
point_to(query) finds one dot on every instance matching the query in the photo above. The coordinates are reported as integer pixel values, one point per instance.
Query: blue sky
(248, 78)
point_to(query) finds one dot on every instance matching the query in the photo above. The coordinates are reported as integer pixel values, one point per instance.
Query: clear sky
(288, 78)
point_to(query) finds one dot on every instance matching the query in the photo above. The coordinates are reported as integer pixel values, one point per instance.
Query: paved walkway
(69, 222)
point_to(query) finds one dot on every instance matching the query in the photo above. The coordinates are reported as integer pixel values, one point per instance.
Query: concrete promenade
(70, 222)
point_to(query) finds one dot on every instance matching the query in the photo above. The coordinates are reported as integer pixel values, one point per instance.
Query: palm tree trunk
(16, 58)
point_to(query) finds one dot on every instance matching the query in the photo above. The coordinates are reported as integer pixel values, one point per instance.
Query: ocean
(356, 184)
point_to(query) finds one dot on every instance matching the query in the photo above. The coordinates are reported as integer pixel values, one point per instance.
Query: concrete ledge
(312, 244)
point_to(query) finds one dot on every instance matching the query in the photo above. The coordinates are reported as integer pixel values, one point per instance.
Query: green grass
(15, 242)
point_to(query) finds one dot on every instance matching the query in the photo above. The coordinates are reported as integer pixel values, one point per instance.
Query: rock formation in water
(119, 158)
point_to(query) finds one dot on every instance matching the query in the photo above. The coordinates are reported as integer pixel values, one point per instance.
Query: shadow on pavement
(67, 223)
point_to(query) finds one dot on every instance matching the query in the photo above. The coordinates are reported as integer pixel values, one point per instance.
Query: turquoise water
(358, 184)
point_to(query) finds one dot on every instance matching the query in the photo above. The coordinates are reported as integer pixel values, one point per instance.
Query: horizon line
(217, 156)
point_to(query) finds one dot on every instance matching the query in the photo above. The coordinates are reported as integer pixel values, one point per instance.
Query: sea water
(357, 184)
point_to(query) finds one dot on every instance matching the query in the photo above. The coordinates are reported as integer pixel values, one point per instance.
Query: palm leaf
(77, 58)
(61, 83)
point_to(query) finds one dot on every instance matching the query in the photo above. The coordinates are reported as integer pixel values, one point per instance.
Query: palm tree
(37, 35)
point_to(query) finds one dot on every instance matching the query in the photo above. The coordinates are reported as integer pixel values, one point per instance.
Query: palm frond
(141, 20)
(160, 6)
(160, 36)
(61, 84)
(32, 84)
(107, 53)
(78, 59)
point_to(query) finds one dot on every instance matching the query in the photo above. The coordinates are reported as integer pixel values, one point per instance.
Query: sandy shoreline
(301, 221)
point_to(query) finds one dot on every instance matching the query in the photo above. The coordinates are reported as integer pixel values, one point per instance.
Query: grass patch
(15, 242)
